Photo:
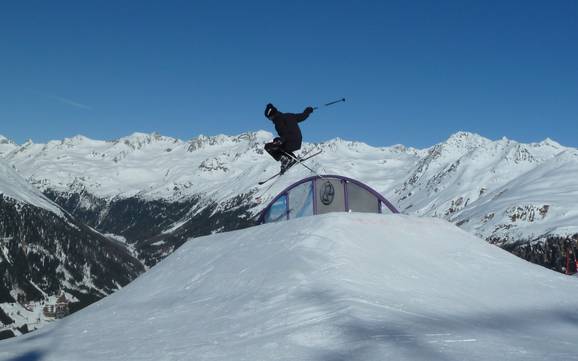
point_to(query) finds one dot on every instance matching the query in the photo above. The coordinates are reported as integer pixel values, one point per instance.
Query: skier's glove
(277, 141)
(308, 110)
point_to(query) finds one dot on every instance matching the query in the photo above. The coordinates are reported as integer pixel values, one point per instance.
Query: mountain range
(146, 194)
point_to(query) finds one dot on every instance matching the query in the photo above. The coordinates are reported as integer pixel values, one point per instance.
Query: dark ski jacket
(286, 125)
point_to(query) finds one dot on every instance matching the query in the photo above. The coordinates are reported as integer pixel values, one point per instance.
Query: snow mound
(332, 287)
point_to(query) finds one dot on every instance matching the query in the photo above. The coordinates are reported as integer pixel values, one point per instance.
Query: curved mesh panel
(361, 200)
(301, 200)
(278, 210)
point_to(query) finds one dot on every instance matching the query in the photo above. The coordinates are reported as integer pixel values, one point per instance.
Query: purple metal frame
(346, 195)
(314, 198)
(287, 209)
(309, 179)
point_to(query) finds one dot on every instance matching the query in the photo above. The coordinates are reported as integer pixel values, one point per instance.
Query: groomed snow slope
(333, 287)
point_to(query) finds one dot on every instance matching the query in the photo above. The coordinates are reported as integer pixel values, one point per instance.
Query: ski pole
(331, 103)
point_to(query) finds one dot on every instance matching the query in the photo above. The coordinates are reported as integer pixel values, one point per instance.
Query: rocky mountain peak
(466, 141)
(139, 140)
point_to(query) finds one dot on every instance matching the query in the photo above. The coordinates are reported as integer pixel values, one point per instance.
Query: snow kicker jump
(321, 194)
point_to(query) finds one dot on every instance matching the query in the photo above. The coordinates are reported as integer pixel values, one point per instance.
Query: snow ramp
(341, 286)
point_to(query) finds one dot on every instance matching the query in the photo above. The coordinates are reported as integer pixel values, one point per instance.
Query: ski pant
(276, 150)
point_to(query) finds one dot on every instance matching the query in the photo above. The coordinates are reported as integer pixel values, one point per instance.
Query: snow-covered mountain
(520, 196)
(13, 186)
(6, 145)
(332, 287)
(153, 167)
(46, 253)
(157, 191)
(148, 166)
(470, 167)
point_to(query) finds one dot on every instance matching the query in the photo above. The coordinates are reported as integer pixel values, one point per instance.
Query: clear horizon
(412, 74)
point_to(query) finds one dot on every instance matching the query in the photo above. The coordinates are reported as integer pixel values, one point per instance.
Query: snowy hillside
(543, 199)
(460, 175)
(14, 186)
(333, 287)
(46, 253)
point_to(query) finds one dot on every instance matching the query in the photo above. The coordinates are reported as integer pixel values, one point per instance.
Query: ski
(299, 160)
(270, 178)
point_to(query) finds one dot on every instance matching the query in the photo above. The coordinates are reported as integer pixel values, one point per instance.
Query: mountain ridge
(442, 180)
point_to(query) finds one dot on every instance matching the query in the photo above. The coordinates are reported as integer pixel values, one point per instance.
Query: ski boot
(286, 163)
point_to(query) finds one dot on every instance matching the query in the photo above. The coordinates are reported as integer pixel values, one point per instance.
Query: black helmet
(270, 110)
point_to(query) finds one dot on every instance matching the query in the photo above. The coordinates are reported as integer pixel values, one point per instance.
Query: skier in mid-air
(289, 139)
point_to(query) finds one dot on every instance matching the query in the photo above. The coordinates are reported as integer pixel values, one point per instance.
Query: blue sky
(413, 72)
